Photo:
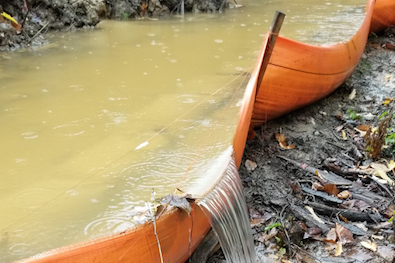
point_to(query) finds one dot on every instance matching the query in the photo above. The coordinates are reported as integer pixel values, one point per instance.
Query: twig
(322, 195)
(350, 215)
(310, 222)
(39, 32)
(285, 230)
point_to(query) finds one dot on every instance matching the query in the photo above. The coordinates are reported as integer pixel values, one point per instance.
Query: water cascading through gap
(226, 210)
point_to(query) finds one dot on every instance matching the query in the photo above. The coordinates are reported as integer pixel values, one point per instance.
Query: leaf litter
(328, 179)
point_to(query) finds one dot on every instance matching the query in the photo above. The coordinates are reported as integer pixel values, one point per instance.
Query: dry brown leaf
(363, 127)
(280, 137)
(369, 245)
(295, 189)
(331, 189)
(343, 234)
(282, 141)
(255, 222)
(331, 236)
(343, 218)
(344, 194)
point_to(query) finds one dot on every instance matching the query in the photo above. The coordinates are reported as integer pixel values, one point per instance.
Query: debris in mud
(333, 193)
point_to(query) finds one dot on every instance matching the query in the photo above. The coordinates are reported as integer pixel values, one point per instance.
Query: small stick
(39, 32)
(285, 230)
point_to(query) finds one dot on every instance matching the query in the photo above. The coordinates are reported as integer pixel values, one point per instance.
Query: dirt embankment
(35, 18)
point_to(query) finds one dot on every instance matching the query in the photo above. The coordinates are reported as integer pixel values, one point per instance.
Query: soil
(273, 189)
(323, 133)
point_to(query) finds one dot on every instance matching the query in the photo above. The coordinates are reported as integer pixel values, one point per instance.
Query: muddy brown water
(95, 120)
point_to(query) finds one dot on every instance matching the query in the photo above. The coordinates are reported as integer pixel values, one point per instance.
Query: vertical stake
(271, 41)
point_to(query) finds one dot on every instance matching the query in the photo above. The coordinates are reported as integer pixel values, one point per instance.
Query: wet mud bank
(280, 184)
(31, 20)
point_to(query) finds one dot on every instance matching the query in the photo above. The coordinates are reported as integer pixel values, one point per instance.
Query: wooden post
(272, 37)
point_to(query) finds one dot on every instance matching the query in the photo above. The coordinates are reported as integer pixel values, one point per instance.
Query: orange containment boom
(383, 15)
(299, 74)
(179, 235)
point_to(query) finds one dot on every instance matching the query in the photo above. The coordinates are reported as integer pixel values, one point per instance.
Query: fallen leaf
(352, 94)
(361, 133)
(391, 165)
(7, 16)
(344, 135)
(388, 101)
(331, 236)
(272, 233)
(280, 137)
(384, 176)
(344, 194)
(381, 181)
(331, 189)
(369, 245)
(284, 145)
(317, 186)
(250, 165)
(295, 189)
(389, 46)
(339, 128)
(344, 235)
(380, 170)
(339, 249)
(343, 218)
(363, 127)
(255, 222)
(311, 210)
(282, 141)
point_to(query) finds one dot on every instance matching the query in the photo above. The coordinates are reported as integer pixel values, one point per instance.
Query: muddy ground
(324, 136)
